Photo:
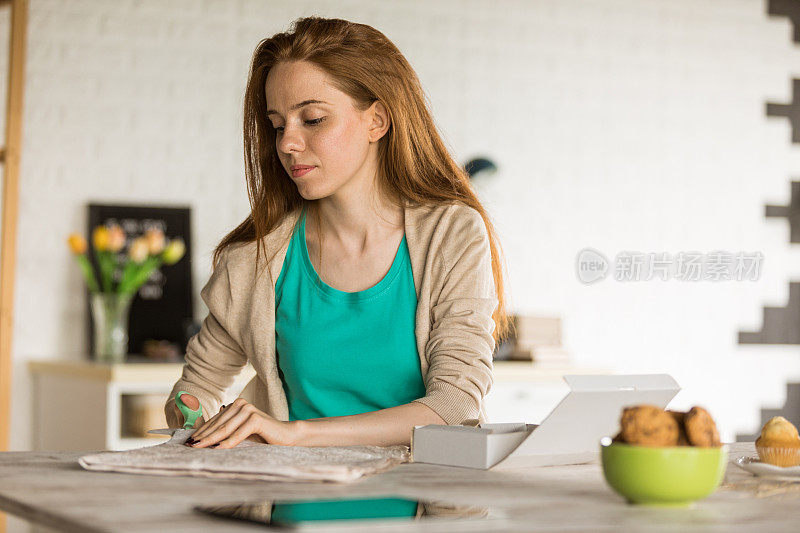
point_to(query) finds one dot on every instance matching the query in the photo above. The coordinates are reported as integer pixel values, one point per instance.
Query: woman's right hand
(192, 403)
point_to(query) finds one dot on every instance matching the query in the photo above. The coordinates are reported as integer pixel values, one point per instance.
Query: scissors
(189, 416)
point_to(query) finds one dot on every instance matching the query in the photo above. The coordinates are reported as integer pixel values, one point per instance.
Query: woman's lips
(301, 171)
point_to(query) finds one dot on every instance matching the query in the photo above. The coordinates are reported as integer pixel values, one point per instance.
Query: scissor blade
(164, 431)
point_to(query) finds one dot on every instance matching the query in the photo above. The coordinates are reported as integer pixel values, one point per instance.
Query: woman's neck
(354, 224)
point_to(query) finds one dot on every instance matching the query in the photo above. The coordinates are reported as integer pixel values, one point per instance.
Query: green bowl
(674, 476)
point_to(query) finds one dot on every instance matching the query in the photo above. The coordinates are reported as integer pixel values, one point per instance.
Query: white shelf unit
(78, 404)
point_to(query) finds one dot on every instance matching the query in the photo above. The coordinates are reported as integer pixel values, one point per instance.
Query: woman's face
(317, 125)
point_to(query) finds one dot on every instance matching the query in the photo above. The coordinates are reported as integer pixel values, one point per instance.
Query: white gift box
(570, 434)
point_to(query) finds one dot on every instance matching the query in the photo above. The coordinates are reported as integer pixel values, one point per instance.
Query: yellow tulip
(77, 244)
(139, 250)
(116, 238)
(174, 251)
(100, 238)
(155, 240)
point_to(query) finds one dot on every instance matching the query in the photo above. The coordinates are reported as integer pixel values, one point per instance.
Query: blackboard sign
(162, 309)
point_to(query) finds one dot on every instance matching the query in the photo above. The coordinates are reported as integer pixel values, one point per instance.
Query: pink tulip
(139, 250)
(116, 238)
(155, 240)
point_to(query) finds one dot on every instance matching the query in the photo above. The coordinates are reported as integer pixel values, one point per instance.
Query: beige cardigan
(451, 263)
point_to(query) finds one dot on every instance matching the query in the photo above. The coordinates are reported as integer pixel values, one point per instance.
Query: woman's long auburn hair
(414, 163)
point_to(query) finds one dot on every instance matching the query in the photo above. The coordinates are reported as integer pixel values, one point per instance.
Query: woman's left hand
(238, 421)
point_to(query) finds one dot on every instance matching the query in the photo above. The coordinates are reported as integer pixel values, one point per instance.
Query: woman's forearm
(386, 427)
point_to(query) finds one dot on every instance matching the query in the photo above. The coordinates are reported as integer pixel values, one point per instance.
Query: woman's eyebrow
(297, 106)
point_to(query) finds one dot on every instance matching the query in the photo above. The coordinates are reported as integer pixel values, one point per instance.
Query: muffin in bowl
(664, 458)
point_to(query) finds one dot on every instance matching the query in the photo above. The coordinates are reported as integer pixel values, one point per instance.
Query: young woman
(365, 287)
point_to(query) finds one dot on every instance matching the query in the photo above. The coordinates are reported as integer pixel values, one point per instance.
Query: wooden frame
(10, 155)
(11, 158)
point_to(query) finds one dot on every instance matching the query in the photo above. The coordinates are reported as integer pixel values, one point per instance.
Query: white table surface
(51, 489)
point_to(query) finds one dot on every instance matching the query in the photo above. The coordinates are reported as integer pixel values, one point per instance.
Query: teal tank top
(344, 353)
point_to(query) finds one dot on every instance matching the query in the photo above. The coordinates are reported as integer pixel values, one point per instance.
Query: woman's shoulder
(243, 254)
(448, 217)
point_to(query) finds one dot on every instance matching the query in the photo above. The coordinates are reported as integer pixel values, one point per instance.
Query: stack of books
(537, 339)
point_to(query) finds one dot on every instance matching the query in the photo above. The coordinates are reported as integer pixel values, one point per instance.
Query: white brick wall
(621, 125)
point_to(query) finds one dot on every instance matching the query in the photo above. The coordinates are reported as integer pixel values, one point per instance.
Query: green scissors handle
(189, 416)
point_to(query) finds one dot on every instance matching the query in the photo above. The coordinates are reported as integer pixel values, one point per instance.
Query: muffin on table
(779, 443)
